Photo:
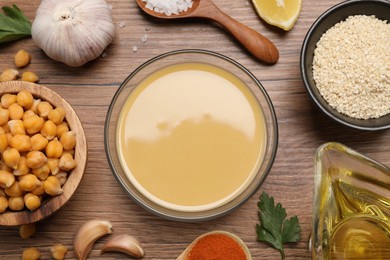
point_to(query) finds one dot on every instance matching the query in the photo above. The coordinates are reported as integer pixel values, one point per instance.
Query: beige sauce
(191, 136)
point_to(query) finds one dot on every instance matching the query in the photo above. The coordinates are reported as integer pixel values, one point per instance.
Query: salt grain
(351, 67)
(135, 48)
(168, 7)
(144, 38)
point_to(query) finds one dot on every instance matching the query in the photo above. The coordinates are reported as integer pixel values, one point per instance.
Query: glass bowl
(351, 216)
(185, 97)
(336, 14)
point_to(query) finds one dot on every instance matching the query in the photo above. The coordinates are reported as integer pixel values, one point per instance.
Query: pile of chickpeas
(37, 151)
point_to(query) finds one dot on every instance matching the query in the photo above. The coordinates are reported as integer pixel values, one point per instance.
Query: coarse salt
(168, 7)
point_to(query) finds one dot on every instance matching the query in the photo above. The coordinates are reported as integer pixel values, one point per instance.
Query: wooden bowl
(49, 204)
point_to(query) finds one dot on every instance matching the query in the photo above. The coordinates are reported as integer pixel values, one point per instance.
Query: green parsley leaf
(274, 229)
(14, 24)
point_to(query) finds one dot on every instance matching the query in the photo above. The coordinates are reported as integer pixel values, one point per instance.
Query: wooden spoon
(254, 42)
(184, 255)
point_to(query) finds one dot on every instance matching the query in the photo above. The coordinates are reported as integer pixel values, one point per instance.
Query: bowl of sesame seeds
(345, 64)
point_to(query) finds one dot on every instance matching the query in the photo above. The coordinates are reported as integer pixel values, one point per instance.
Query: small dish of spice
(216, 245)
(344, 66)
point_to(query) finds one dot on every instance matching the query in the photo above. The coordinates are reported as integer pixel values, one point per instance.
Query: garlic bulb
(73, 31)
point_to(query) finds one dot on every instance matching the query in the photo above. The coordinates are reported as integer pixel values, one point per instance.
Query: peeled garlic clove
(73, 31)
(87, 234)
(125, 244)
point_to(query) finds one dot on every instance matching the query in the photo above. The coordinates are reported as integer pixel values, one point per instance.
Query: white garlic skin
(73, 31)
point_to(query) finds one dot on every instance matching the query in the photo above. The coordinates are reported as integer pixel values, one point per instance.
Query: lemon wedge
(280, 13)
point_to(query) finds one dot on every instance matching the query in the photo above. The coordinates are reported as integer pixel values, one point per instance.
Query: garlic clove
(73, 31)
(125, 244)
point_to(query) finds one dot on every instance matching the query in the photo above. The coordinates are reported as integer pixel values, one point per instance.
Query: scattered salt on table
(168, 7)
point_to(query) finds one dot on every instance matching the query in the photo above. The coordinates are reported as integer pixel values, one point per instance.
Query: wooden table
(89, 89)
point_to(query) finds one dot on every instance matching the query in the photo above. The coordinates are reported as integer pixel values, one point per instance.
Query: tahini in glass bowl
(351, 207)
(381, 10)
(191, 135)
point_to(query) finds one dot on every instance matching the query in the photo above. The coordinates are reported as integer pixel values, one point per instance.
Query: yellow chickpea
(36, 159)
(33, 124)
(42, 173)
(31, 253)
(6, 179)
(28, 182)
(27, 114)
(62, 176)
(54, 149)
(30, 77)
(58, 251)
(3, 204)
(8, 75)
(22, 168)
(27, 230)
(38, 142)
(52, 186)
(14, 190)
(22, 58)
(32, 201)
(16, 127)
(21, 143)
(7, 100)
(62, 128)
(67, 162)
(49, 130)
(68, 140)
(16, 203)
(57, 115)
(39, 191)
(3, 142)
(24, 98)
(15, 111)
(4, 116)
(11, 157)
(53, 164)
(44, 109)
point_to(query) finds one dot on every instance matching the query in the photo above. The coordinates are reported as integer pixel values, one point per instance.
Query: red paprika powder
(216, 247)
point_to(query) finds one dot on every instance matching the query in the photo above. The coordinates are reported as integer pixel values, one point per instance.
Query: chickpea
(11, 157)
(16, 126)
(52, 186)
(6, 179)
(53, 164)
(22, 168)
(28, 182)
(62, 177)
(42, 173)
(34, 106)
(3, 142)
(44, 109)
(68, 140)
(49, 130)
(32, 201)
(39, 191)
(27, 114)
(3, 204)
(8, 75)
(38, 142)
(27, 230)
(4, 116)
(30, 77)
(33, 124)
(67, 162)
(58, 251)
(14, 190)
(21, 143)
(22, 58)
(62, 128)
(54, 149)
(24, 98)
(16, 203)
(5, 167)
(2, 192)
(15, 111)
(31, 253)
(7, 100)
(57, 115)
(35, 159)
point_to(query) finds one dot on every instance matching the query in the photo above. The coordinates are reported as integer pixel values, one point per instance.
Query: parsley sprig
(14, 24)
(274, 228)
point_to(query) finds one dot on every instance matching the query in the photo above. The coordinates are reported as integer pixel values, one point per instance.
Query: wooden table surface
(89, 89)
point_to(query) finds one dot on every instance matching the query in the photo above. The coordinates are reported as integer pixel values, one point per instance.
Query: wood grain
(302, 129)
